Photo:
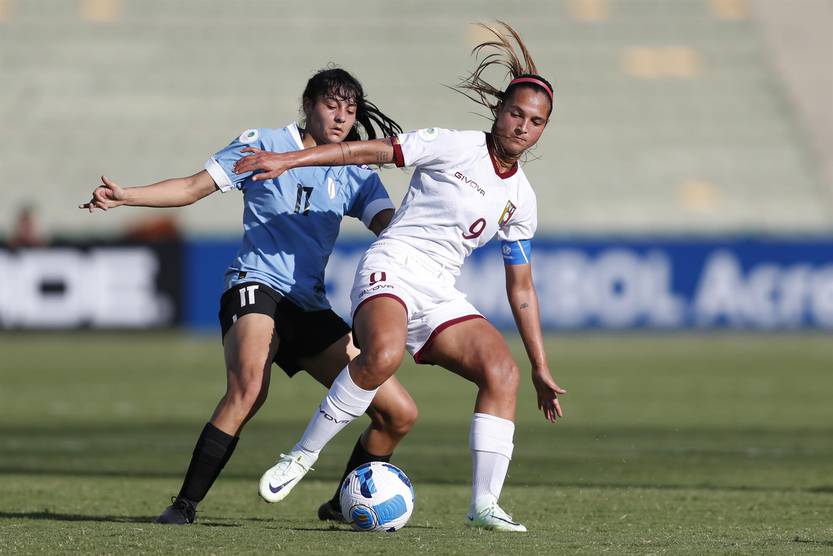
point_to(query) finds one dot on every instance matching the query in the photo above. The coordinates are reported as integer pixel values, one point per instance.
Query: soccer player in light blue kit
(275, 308)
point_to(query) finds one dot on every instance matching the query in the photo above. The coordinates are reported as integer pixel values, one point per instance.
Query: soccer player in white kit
(467, 187)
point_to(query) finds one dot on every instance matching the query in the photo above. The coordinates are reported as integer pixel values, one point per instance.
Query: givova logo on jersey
(508, 211)
(470, 182)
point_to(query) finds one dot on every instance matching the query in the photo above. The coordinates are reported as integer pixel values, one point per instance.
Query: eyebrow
(348, 100)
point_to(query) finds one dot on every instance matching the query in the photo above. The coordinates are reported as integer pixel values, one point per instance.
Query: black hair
(338, 83)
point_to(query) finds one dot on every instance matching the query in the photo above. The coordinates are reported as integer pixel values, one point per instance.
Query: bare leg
(381, 327)
(249, 347)
(476, 351)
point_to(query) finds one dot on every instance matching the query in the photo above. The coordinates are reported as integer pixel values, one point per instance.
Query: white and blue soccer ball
(377, 496)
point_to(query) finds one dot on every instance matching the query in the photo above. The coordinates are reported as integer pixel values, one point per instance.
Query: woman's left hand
(266, 165)
(548, 392)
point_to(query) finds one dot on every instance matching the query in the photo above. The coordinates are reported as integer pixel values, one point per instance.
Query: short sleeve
(521, 222)
(221, 165)
(432, 147)
(370, 199)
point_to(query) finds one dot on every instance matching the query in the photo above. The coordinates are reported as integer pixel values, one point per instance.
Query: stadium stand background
(678, 117)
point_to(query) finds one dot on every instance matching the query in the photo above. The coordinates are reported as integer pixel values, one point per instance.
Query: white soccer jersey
(458, 199)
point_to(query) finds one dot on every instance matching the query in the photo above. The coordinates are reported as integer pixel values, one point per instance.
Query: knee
(381, 361)
(501, 376)
(247, 394)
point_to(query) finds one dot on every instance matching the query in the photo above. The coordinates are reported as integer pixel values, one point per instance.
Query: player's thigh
(247, 319)
(249, 347)
(327, 364)
(470, 348)
(381, 326)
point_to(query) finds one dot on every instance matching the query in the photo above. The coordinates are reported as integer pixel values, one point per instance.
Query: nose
(341, 116)
(521, 128)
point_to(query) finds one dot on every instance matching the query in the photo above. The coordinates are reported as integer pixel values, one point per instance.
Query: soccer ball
(377, 496)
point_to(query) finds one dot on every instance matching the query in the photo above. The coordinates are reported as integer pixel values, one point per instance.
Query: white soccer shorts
(420, 284)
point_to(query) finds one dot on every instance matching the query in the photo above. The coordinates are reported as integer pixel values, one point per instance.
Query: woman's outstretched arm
(269, 165)
(174, 192)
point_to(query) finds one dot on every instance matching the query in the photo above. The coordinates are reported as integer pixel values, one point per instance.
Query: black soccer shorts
(301, 333)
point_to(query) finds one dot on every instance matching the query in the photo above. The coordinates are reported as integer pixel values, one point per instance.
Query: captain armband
(516, 252)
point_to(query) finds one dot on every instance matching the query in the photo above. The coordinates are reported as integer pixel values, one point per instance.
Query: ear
(307, 106)
(498, 107)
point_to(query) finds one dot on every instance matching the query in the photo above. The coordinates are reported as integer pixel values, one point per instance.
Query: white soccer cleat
(493, 518)
(279, 480)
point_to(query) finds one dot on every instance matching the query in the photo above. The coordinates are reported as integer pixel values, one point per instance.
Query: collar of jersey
(502, 175)
(296, 135)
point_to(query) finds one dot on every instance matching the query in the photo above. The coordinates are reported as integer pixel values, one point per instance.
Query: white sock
(491, 446)
(344, 402)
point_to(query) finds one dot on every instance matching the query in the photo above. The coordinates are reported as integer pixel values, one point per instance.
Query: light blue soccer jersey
(290, 224)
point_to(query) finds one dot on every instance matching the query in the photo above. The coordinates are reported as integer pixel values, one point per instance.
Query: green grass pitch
(671, 445)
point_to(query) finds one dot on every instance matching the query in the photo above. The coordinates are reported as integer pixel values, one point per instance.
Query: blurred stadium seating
(670, 116)
(686, 180)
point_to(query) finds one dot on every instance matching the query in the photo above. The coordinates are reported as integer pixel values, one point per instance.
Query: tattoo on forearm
(382, 157)
(524, 305)
(341, 146)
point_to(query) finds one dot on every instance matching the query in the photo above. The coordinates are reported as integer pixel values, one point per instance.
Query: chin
(512, 148)
(514, 151)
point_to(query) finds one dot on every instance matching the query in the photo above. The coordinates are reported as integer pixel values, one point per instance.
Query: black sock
(212, 451)
(357, 458)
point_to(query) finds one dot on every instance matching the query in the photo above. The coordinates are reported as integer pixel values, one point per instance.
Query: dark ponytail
(340, 84)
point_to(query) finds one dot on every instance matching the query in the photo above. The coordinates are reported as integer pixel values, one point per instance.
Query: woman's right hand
(267, 165)
(106, 196)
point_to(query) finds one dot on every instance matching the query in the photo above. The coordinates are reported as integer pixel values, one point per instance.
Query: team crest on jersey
(331, 187)
(508, 211)
(428, 134)
(249, 136)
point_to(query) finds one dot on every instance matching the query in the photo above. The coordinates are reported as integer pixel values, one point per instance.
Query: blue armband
(516, 252)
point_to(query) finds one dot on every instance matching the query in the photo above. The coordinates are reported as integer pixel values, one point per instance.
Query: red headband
(535, 80)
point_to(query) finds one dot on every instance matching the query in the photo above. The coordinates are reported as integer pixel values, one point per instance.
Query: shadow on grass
(345, 529)
(823, 489)
(320, 529)
(813, 542)
(52, 516)
(332, 527)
